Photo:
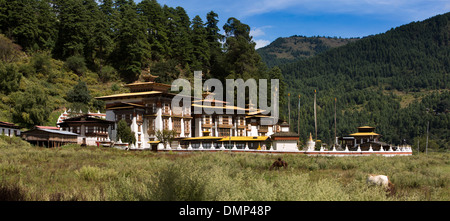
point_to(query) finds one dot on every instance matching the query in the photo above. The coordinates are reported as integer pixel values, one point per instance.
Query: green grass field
(104, 174)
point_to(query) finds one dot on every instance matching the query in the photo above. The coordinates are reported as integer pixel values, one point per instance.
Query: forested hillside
(56, 49)
(287, 50)
(396, 81)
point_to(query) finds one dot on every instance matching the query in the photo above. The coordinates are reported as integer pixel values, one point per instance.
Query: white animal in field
(381, 180)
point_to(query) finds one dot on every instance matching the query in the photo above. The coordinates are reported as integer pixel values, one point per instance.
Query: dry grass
(75, 173)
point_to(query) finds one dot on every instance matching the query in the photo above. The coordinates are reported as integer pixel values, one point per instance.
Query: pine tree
(79, 94)
(132, 49)
(241, 57)
(200, 45)
(79, 97)
(178, 24)
(98, 43)
(47, 25)
(19, 22)
(76, 28)
(107, 25)
(155, 24)
(213, 35)
(214, 38)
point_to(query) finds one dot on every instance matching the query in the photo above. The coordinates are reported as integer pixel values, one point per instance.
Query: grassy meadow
(73, 173)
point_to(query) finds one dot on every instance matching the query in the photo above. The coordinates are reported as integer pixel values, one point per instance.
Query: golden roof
(129, 94)
(203, 138)
(245, 138)
(227, 139)
(146, 83)
(364, 134)
(219, 107)
(366, 127)
(209, 100)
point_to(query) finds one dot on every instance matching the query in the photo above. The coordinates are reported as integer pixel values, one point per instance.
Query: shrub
(115, 87)
(107, 73)
(76, 64)
(41, 63)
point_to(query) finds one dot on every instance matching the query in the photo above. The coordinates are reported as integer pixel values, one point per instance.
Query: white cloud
(261, 43)
(257, 32)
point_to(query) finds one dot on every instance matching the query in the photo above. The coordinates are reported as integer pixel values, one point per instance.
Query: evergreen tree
(155, 24)
(19, 22)
(47, 25)
(132, 49)
(214, 38)
(241, 57)
(200, 45)
(213, 35)
(106, 26)
(79, 93)
(178, 24)
(79, 97)
(98, 43)
(71, 28)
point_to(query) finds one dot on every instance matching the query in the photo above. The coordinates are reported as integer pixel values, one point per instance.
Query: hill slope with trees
(396, 81)
(291, 49)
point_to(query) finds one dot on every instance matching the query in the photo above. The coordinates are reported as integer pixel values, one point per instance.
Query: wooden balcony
(207, 125)
(225, 125)
(263, 129)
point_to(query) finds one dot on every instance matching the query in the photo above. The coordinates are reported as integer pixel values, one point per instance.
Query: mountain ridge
(369, 78)
(289, 49)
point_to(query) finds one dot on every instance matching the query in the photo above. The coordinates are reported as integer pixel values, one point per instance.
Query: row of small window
(167, 110)
(225, 132)
(176, 125)
(77, 130)
(224, 120)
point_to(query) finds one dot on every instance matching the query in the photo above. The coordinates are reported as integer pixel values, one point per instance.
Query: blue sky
(270, 19)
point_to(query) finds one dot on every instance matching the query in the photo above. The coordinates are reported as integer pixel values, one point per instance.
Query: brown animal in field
(382, 180)
(279, 163)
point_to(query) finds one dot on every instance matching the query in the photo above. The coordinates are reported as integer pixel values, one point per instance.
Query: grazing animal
(381, 180)
(279, 163)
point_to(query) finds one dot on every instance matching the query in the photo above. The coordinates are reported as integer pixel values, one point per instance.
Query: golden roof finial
(146, 76)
